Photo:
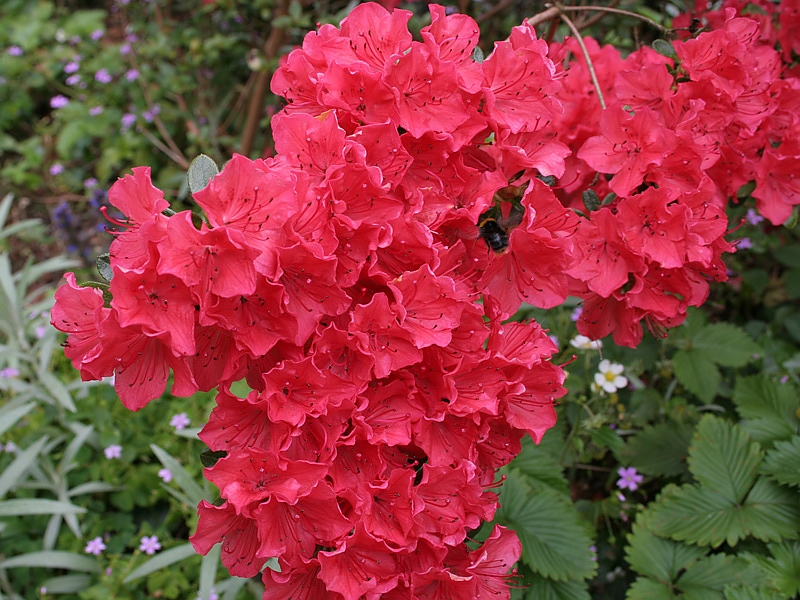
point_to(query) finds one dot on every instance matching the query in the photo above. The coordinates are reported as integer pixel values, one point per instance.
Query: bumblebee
(495, 228)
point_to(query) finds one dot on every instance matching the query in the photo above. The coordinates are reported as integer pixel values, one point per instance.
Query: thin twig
(255, 108)
(178, 158)
(618, 11)
(543, 16)
(585, 51)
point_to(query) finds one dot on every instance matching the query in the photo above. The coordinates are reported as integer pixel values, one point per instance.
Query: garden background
(673, 470)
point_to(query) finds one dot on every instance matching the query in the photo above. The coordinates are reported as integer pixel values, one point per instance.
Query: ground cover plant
(499, 322)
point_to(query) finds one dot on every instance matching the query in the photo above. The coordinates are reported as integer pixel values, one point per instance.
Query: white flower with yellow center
(584, 343)
(610, 377)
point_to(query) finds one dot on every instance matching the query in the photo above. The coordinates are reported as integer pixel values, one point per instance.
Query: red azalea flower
(238, 534)
(630, 146)
(247, 477)
(77, 312)
(362, 565)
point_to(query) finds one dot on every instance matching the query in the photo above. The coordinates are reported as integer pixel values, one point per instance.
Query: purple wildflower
(95, 546)
(113, 451)
(150, 545)
(629, 478)
(103, 76)
(59, 101)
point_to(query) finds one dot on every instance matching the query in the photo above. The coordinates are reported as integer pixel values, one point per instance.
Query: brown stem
(618, 11)
(585, 51)
(177, 157)
(255, 107)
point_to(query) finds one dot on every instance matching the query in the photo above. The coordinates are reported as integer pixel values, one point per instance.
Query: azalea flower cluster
(680, 136)
(344, 280)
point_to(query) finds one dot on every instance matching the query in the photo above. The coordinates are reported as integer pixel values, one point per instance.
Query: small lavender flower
(151, 114)
(96, 35)
(59, 101)
(102, 76)
(150, 545)
(56, 169)
(91, 182)
(9, 372)
(128, 119)
(166, 475)
(96, 110)
(629, 478)
(11, 448)
(132, 75)
(744, 244)
(125, 49)
(40, 331)
(180, 421)
(753, 217)
(14, 51)
(72, 66)
(74, 80)
(95, 546)
(576, 314)
(75, 40)
(113, 451)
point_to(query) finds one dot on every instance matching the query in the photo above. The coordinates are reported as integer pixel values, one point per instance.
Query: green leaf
(771, 512)
(791, 281)
(590, 200)
(782, 463)
(696, 515)
(749, 592)
(56, 389)
(553, 542)
(725, 344)
(185, 481)
(768, 408)
(787, 254)
(697, 373)
(659, 450)
(645, 588)
(53, 559)
(607, 438)
(13, 473)
(162, 560)
(104, 266)
(783, 569)
(723, 459)
(664, 48)
(210, 457)
(201, 171)
(540, 588)
(12, 412)
(66, 584)
(35, 506)
(658, 558)
(537, 463)
(705, 579)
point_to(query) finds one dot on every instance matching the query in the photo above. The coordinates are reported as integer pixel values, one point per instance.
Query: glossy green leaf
(554, 544)
(725, 344)
(723, 458)
(782, 463)
(697, 373)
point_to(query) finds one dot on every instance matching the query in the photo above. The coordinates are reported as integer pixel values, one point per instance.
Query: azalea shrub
(389, 305)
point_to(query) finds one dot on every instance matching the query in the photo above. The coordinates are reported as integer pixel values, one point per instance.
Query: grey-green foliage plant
(46, 477)
(731, 532)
